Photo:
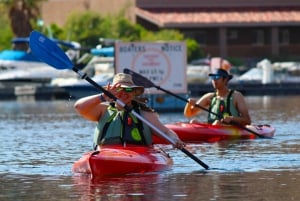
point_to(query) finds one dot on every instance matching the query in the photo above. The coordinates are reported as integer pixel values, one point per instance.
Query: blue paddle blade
(47, 51)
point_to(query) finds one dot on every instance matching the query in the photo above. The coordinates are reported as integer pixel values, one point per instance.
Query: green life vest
(120, 127)
(222, 107)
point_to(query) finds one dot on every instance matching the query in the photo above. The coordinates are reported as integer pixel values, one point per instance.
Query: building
(58, 11)
(237, 28)
(231, 28)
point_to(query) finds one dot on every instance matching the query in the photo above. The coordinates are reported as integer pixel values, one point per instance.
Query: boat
(115, 160)
(197, 71)
(99, 68)
(204, 132)
(21, 67)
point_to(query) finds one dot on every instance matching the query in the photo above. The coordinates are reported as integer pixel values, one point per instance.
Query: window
(284, 36)
(201, 37)
(232, 34)
(259, 38)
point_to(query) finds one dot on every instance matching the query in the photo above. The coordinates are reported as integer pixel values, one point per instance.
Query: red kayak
(119, 160)
(203, 132)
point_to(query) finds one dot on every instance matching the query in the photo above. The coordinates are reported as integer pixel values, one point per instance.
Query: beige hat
(126, 81)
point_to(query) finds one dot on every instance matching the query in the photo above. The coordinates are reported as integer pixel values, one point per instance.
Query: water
(40, 141)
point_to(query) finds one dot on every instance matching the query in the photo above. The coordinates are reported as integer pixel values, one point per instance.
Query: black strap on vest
(228, 102)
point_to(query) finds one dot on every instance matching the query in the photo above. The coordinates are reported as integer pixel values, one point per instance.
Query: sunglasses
(125, 89)
(216, 77)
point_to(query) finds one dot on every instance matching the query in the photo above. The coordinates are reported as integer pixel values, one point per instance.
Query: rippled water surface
(41, 140)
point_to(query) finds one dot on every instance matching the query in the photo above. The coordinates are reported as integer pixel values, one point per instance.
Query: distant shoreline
(194, 90)
(251, 89)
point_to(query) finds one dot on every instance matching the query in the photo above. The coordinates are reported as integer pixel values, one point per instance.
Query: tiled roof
(220, 17)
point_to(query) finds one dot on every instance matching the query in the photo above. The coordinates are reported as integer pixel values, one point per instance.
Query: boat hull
(119, 160)
(203, 132)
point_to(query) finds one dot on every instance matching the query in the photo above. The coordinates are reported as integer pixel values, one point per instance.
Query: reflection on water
(275, 186)
(198, 186)
(39, 141)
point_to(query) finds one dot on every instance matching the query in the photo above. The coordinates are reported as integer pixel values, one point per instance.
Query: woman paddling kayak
(123, 89)
(116, 125)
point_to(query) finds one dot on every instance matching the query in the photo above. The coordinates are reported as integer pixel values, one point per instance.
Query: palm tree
(21, 14)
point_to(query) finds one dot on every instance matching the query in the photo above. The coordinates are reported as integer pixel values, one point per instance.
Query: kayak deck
(203, 132)
(119, 160)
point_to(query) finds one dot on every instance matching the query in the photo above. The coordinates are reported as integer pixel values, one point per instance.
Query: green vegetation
(5, 31)
(88, 27)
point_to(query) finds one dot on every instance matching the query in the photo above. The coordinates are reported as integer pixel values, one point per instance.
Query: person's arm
(191, 110)
(91, 107)
(152, 117)
(242, 108)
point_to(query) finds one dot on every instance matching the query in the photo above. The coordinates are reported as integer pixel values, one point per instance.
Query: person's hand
(227, 120)
(111, 89)
(179, 144)
(192, 101)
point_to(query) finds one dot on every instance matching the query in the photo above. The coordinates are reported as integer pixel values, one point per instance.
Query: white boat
(197, 74)
(18, 67)
(99, 68)
(266, 72)
(197, 71)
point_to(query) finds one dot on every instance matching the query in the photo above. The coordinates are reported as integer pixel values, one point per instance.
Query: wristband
(102, 98)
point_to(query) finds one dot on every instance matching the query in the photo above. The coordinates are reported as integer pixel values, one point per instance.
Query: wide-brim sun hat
(222, 73)
(126, 82)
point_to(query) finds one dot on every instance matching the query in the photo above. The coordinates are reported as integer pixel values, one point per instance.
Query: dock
(194, 90)
(33, 92)
(251, 89)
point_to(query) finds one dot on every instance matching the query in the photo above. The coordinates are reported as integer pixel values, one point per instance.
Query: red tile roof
(220, 17)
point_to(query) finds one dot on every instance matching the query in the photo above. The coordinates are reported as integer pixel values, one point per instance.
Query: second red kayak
(120, 160)
(203, 132)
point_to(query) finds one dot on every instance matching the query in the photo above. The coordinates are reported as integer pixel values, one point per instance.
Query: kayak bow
(112, 160)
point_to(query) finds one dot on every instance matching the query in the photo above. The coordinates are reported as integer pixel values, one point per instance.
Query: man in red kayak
(225, 106)
(115, 124)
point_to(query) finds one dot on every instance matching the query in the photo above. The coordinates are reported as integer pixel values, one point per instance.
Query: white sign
(163, 63)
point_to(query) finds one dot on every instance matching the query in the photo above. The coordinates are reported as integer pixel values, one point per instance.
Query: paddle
(143, 81)
(48, 52)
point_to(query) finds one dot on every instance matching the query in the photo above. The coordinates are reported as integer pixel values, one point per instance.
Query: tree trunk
(20, 16)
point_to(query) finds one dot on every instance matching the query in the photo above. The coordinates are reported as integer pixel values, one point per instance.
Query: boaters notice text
(164, 63)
